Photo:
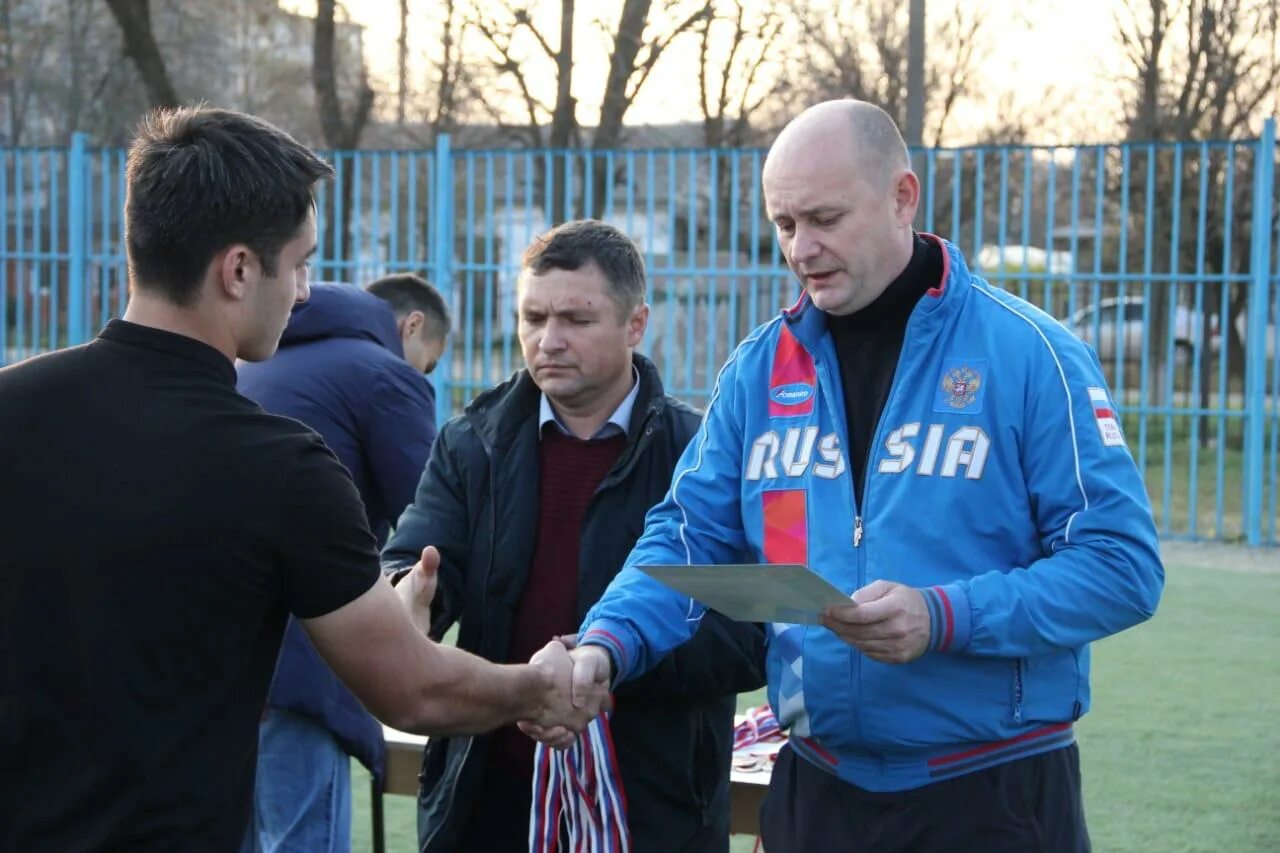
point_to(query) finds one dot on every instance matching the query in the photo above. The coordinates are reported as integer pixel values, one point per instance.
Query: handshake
(569, 685)
(577, 691)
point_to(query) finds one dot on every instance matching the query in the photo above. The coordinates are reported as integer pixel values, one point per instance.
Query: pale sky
(1068, 47)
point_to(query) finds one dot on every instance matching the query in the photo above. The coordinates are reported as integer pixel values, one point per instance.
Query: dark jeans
(302, 799)
(1031, 805)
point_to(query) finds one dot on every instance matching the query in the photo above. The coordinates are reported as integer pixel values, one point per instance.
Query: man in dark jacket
(350, 366)
(534, 497)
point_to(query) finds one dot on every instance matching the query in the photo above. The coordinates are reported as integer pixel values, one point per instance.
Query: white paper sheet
(771, 592)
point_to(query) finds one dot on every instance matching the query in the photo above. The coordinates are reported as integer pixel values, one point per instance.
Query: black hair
(407, 292)
(585, 241)
(201, 179)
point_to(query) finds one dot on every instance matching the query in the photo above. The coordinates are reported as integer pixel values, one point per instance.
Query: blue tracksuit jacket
(998, 482)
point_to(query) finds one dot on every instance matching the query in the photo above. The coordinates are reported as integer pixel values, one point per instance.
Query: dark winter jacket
(340, 370)
(478, 503)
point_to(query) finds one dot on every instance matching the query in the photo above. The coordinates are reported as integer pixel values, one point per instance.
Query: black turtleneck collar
(868, 343)
(893, 306)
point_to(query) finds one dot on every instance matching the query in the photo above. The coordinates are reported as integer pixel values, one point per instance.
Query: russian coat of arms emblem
(961, 385)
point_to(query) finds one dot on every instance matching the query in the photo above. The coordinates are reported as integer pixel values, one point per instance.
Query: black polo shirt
(156, 529)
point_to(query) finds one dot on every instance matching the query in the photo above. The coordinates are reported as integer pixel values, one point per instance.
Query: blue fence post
(1255, 344)
(77, 237)
(442, 252)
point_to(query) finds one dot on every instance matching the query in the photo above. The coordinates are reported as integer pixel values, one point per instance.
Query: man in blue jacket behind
(947, 455)
(351, 365)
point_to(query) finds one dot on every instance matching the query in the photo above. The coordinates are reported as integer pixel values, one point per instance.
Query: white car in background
(1105, 324)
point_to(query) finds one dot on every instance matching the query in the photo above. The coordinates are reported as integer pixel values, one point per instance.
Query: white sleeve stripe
(1066, 388)
(701, 437)
(1098, 395)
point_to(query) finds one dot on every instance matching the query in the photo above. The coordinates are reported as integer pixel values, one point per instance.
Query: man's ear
(906, 196)
(412, 324)
(636, 324)
(237, 268)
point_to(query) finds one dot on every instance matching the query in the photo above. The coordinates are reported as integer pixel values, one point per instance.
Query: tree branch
(739, 34)
(703, 49)
(134, 18)
(509, 65)
(522, 18)
(656, 47)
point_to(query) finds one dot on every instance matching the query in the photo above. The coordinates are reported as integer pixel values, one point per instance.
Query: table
(404, 760)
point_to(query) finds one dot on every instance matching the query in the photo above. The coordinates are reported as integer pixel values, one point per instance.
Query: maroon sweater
(570, 470)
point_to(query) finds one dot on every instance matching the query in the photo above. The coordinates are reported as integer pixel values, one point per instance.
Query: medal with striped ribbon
(578, 797)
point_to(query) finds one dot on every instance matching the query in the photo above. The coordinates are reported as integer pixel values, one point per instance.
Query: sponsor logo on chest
(795, 394)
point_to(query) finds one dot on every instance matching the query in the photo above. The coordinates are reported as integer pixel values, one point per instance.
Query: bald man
(949, 456)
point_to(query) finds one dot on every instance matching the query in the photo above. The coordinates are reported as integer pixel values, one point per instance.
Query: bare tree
(338, 132)
(563, 130)
(67, 70)
(631, 61)
(636, 45)
(452, 86)
(730, 90)
(453, 77)
(634, 55)
(22, 57)
(1210, 85)
(1143, 47)
(134, 18)
(1199, 70)
(636, 48)
(402, 91)
(733, 83)
(502, 34)
(862, 51)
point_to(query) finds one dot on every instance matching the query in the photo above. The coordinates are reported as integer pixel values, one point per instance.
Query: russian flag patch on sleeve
(1105, 415)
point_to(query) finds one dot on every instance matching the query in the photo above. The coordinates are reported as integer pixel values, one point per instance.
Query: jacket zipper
(1017, 690)
(839, 418)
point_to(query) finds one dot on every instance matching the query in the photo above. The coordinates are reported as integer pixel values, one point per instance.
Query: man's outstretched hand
(418, 588)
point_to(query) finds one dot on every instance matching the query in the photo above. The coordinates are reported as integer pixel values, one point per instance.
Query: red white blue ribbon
(578, 796)
(758, 725)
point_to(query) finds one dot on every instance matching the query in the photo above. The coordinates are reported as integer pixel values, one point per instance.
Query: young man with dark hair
(350, 366)
(534, 496)
(167, 526)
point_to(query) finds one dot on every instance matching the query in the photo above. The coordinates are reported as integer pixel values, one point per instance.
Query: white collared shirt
(619, 421)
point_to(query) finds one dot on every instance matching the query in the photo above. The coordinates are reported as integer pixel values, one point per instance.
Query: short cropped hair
(882, 149)
(584, 241)
(406, 293)
(202, 179)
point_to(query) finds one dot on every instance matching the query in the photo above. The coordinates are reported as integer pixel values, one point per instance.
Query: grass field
(1182, 750)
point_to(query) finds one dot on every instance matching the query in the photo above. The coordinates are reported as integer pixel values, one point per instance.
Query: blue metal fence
(1161, 255)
